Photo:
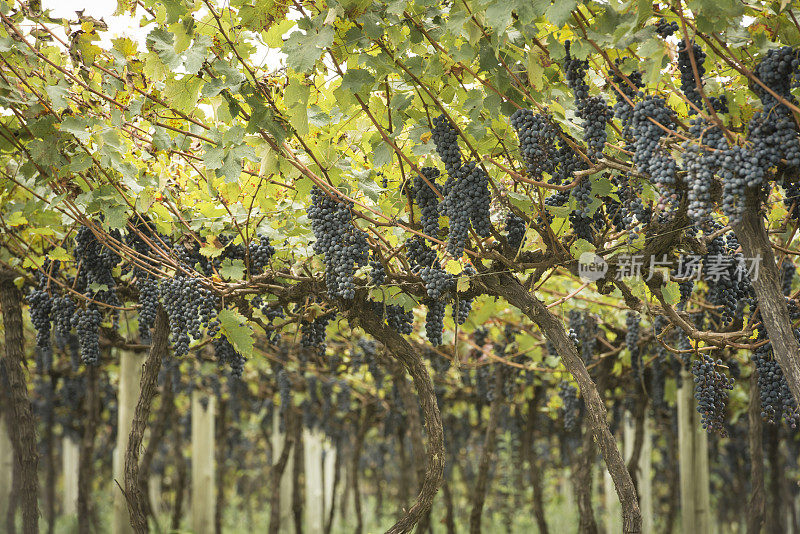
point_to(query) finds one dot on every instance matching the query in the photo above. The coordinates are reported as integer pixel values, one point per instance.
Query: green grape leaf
(233, 326)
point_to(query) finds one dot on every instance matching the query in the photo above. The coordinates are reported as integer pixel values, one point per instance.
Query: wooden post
(702, 491)
(203, 487)
(70, 460)
(628, 436)
(154, 492)
(328, 477)
(693, 459)
(686, 452)
(278, 438)
(646, 480)
(6, 469)
(611, 504)
(130, 375)
(314, 507)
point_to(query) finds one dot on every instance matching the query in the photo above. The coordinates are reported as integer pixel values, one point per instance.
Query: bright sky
(128, 26)
(121, 25)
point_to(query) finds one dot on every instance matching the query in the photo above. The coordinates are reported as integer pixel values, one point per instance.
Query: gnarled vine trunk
(135, 497)
(21, 425)
(414, 429)
(435, 453)
(507, 286)
(157, 433)
(752, 235)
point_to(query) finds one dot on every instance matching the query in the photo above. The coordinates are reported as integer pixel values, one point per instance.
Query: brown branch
(135, 498)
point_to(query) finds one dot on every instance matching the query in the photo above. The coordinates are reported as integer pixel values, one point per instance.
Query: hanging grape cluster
(343, 245)
(190, 308)
(227, 354)
(515, 231)
(777, 401)
(690, 85)
(711, 391)
(427, 200)
(632, 337)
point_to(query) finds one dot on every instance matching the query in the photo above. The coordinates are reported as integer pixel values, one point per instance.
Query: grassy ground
(561, 518)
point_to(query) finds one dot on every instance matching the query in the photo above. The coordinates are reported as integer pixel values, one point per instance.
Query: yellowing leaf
(672, 293)
(210, 251)
(16, 219)
(234, 326)
(59, 254)
(535, 70)
(463, 284)
(453, 267)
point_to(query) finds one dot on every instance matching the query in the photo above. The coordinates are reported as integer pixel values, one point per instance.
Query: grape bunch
(260, 253)
(725, 272)
(632, 336)
(445, 138)
(788, 271)
(593, 110)
(689, 82)
(575, 73)
(625, 96)
(313, 332)
(467, 202)
(189, 307)
(582, 193)
(738, 169)
(87, 324)
(632, 212)
(595, 113)
(190, 258)
(584, 226)
(96, 260)
(61, 312)
(537, 141)
(778, 70)
(515, 229)
(461, 310)
(397, 317)
(777, 400)
(685, 288)
(711, 391)
(228, 355)
(343, 245)
(148, 306)
(704, 156)
(377, 271)
(425, 263)
(649, 157)
(434, 320)
(571, 405)
(427, 200)
(40, 304)
(665, 29)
